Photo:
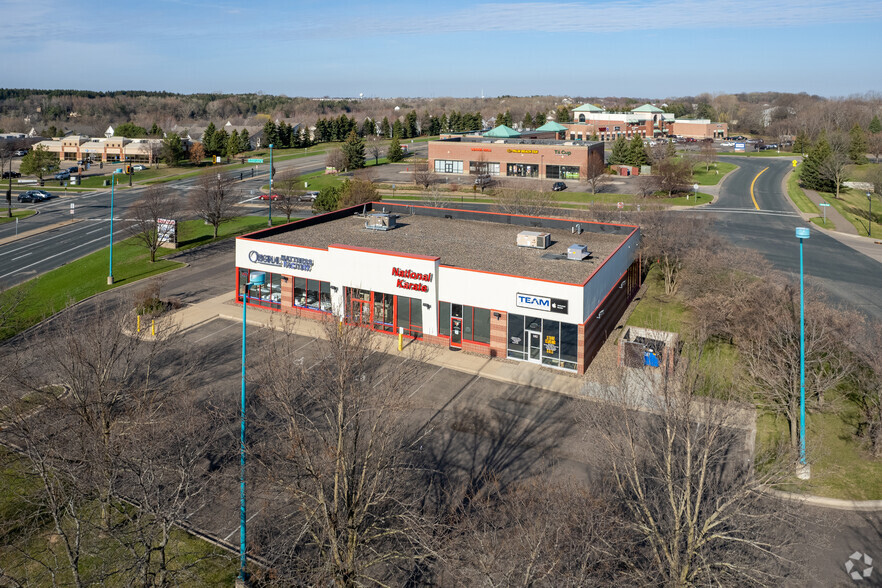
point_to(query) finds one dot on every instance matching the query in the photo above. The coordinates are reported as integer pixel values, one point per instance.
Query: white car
(727, 144)
(139, 167)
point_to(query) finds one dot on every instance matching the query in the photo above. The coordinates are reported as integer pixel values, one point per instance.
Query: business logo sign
(282, 261)
(541, 303)
(562, 152)
(523, 150)
(481, 149)
(405, 275)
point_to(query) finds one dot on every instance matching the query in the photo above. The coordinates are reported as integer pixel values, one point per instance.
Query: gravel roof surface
(485, 246)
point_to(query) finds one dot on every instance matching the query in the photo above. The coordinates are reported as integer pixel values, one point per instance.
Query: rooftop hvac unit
(534, 239)
(577, 252)
(380, 221)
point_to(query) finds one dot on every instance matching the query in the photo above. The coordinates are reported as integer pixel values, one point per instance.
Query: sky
(640, 48)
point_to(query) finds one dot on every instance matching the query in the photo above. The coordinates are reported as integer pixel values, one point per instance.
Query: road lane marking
(751, 188)
(56, 255)
(20, 256)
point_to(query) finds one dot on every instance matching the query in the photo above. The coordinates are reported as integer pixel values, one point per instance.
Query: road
(768, 225)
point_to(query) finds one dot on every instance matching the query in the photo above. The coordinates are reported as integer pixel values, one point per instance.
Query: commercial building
(104, 149)
(509, 153)
(543, 290)
(646, 121)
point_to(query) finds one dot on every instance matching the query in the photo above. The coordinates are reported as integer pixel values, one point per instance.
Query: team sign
(283, 261)
(405, 275)
(542, 303)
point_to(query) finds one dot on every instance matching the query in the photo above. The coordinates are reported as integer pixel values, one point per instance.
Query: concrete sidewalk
(840, 223)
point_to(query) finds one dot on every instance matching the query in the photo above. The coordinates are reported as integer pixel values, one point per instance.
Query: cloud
(626, 15)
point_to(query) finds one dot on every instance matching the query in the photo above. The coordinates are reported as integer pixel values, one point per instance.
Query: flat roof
(479, 245)
(518, 141)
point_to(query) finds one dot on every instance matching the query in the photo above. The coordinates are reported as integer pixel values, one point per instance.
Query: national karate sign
(405, 275)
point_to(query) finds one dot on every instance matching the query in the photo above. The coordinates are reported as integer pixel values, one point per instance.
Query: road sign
(695, 187)
(255, 160)
(620, 205)
(825, 204)
(794, 163)
(71, 207)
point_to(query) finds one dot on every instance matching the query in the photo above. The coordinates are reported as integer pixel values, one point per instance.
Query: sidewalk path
(840, 223)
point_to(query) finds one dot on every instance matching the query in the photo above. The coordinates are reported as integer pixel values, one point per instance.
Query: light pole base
(110, 280)
(241, 582)
(803, 471)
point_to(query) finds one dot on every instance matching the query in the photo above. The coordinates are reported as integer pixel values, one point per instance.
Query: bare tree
(595, 173)
(515, 199)
(673, 175)
(340, 456)
(868, 386)
(670, 238)
(423, 175)
(707, 154)
(875, 145)
(767, 332)
(7, 151)
(373, 148)
(647, 184)
(335, 159)
(834, 168)
(436, 196)
(679, 468)
(146, 215)
(290, 188)
(214, 199)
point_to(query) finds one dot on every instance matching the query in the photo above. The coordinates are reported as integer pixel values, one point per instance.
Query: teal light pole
(802, 233)
(269, 221)
(257, 279)
(110, 270)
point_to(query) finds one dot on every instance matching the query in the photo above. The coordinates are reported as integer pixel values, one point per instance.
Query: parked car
(558, 186)
(73, 170)
(139, 167)
(267, 197)
(11, 174)
(62, 175)
(308, 196)
(727, 144)
(21, 153)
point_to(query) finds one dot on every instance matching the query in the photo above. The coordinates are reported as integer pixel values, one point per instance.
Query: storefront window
(312, 294)
(475, 321)
(522, 170)
(444, 319)
(569, 346)
(562, 172)
(269, 295)
(410, 316)
(484, 168)
(550, 342)
(447, 166)
(482, 325)
(516, 336)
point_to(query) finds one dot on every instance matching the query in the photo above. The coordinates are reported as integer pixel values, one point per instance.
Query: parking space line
(214, 333)
(429, 379)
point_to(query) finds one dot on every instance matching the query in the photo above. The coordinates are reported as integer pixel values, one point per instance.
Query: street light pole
(803, 470)
(257, 279)
(110, 269)
(869, 215)
(269, 221)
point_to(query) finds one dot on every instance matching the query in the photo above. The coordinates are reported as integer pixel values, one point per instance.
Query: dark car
(558, 186)
(30, 196)
(11, 174)
(73, 170)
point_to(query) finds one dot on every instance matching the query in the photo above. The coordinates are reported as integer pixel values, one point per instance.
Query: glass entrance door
(361, 312)
(456, 333)
(534, 346)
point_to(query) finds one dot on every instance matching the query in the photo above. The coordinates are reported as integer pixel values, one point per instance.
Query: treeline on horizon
(90, 112)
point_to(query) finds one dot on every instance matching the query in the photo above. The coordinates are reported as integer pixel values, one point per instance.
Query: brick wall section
(594, 333)
(498, 334)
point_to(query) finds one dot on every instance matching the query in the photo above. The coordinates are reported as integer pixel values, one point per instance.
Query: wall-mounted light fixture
(334, 288)
(600, 314)
(285, 279)
(622, 285)
(497, 315)
(426, 305)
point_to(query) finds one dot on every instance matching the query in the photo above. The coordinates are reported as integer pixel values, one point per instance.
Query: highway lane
(849, 277)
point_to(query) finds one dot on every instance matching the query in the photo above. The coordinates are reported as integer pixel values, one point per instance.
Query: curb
(824, 502)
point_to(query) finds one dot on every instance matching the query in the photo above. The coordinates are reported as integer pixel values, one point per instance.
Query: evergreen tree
(394, 153)
(244, 141)
(322, 132)
(528, 121)
(385, 129)
(305, 140)
(233, 144)
(637, 152)
(155, 131)
(208, 140)
(540, 119)
(801, 142)
(283, 135)
(453, 122)
(811, 173)
(434, 126)
(270, 133)
(327, 200)
(344, 125)
(397, 129)
(410, 124)
(875, 125)
(858, 146)
(221, 141)
(563, 115)
(507, 119)
(367, 127)
(353, 151)
(445, 124)
(172, 149)
(620, 153)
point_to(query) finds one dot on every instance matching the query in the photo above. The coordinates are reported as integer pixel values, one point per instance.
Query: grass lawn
(16, 213)
(657, 310)
(821, 222)
(712, 177)
(853, 205)
(840, 469)
(798, 196)
(57, 289)
(210, 566)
